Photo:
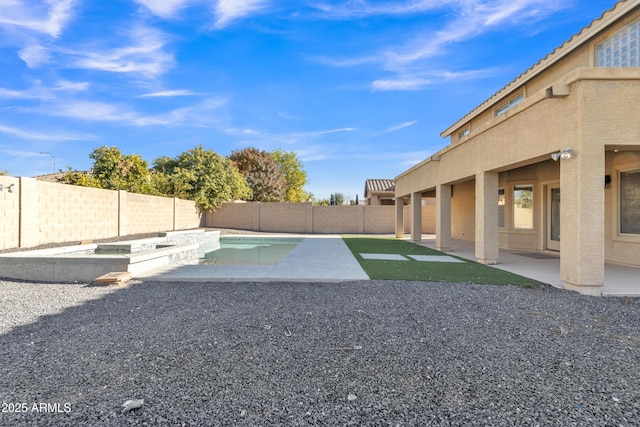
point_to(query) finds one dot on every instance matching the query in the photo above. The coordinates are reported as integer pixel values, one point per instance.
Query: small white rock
(132, 404)
(351, 397)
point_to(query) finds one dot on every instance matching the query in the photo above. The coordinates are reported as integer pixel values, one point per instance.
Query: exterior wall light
(563, 154)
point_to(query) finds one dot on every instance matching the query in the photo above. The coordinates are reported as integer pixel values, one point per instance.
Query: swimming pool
(239, 250)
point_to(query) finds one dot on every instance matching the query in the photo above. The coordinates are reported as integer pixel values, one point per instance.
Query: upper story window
(509, 105)
(463, 133)
(622, 49)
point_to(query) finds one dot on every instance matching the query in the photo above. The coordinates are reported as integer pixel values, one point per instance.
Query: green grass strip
(469, 271)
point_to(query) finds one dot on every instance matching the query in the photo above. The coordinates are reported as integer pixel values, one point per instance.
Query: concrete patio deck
(327, 258)
(316, 258)
(619, 280)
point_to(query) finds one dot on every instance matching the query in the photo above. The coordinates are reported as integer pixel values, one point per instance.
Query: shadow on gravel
(364, 353)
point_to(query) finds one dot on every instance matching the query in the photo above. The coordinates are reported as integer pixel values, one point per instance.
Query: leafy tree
(4, 173)
(294, 175)
(200, 175)
(262, 173)
(113, 170)
(82, 178)
(339, 199)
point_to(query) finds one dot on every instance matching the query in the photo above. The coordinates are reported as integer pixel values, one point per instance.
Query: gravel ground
(364, 353)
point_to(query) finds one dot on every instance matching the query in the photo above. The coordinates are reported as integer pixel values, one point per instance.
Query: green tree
(200, 175)
(82, 178)
(4, 173)
(262, 173)
(339, 199)
(294, 175)
(113, 170)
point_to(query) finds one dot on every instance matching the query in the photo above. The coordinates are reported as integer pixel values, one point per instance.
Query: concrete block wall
(62, 212)
(306, 218)
(10, 206)
(186, 215)
(338, 219)
(38, 212)
(286, 217)
(243, 216)
(147, 214)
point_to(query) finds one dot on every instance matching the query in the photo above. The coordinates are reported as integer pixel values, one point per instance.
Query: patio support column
(399, 217)
(443, 217)
(416, 216)
(582, 219)
(487, 241)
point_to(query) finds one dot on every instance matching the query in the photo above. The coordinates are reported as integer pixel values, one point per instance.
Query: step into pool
(238, 250)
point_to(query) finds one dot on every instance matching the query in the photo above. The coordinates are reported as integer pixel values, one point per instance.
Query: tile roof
(378, 185)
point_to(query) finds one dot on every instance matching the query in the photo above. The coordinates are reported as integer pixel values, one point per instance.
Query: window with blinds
(630, 202)
(622, 49)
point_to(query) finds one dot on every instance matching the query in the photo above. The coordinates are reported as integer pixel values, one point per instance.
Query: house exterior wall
(569, 103)
(40, 212)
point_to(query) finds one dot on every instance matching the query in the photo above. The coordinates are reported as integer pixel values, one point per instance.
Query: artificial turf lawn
(468, 271)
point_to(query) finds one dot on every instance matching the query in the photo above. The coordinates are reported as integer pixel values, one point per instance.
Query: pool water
(251, 250)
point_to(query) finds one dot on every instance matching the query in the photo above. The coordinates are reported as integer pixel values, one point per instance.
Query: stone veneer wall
(37, 212)
(306, 218)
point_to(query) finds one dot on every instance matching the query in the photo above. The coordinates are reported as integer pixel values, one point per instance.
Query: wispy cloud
(47, 17)
(167, 93)
(409, 64)
(227, 11)
(165, 8)
(144, 55)
(37, 136)
(360, 9)
(400, 126)
(71, 86)
(91, 111)
(197, 115)
(34, 55)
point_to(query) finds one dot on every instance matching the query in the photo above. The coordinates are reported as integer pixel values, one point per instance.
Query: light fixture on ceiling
(563, 154)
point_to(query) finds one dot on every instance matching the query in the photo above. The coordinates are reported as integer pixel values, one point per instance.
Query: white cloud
(400, 126)
(167, 93)
(230, 10)
(35, 92)
(68, 85)
(144, 55)
(48, 17)
(196, 115)
(90, 111)
(409, 63)
(400, 83)
(38, 136)
(360, 9)
(34, 55)
(165, 8)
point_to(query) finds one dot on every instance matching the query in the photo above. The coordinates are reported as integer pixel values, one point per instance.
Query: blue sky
(358, 89)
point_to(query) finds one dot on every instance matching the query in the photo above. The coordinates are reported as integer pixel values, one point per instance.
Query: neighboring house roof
(51, 177)
(593, 29)
(379, 186)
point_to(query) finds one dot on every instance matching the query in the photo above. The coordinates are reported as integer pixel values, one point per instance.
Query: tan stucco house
(379, 192)
(549, 162)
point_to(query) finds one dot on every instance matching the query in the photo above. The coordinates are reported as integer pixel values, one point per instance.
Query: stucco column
(443, 217)
(487, 240)
(399, 217)
(416, 217)
(582, 220)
